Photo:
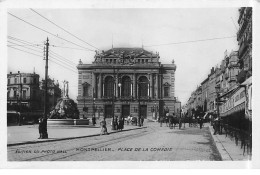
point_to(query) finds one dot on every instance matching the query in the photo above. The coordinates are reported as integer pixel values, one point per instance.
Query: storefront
(233, 111)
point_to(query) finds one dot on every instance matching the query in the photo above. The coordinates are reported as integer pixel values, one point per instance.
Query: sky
(155, 29)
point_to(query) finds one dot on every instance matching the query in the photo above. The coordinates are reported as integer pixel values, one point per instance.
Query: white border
(4, 5)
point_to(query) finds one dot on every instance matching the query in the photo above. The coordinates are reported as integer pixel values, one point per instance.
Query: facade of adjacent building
(244, 38)
(23, 90)
(204, 95)
(124, 81)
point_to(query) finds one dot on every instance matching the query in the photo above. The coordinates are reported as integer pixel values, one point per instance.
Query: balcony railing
(18, 98)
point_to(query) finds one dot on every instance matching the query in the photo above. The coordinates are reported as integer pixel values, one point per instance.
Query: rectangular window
(166, 91)
(8, 81)
(15, 93)
(15, 81)
(24, 93)
(34, 81)
(24, 80)
(85, 91)
(146, 60)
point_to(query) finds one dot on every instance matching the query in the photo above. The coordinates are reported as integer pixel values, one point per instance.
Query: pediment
(166, 84)
(85, 84)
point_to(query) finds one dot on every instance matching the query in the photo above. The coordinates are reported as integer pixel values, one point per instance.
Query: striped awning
(237, 108)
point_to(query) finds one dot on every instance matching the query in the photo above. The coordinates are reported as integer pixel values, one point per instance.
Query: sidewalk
(227, 147)
(18, 135)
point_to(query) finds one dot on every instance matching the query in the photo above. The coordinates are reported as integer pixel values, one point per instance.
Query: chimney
(11, 73)
(18, 72)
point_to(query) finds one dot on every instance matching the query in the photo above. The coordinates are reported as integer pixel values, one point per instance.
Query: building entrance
(125, 110)
(108, 111)
(143, 111)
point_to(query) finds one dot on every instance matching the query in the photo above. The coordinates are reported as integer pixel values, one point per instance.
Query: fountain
(66, 112)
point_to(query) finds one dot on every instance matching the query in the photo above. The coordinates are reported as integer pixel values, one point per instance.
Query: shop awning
(237, 108)
(248, 81)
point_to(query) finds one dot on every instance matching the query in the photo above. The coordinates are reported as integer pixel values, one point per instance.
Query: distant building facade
(23, 90)
(124, 81)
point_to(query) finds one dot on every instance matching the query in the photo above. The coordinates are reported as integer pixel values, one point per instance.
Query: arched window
(143, 87)
(109, 87)
(126, 86)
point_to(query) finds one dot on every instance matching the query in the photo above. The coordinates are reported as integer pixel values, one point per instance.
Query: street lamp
(119, 85)
(113, 101)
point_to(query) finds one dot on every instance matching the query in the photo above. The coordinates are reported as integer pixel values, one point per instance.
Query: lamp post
(119, 85)
(113, 100)
(139, 104)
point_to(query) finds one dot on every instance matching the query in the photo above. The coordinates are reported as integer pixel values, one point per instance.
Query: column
(116, 87)
(93, 85)
(99, 86)
(156, 86)
(134, 86)
(151, 85)
(148, 90)
(131, 89)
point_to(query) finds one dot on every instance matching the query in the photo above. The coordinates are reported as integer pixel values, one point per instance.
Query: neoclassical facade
(123, 81)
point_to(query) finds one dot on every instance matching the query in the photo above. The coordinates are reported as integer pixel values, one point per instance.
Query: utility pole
(46, 91)
(20, 104)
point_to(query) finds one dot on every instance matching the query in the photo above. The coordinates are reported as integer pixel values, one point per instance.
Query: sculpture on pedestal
(65, 108)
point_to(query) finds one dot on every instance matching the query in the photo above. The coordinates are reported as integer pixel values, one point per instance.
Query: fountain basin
(68, 122)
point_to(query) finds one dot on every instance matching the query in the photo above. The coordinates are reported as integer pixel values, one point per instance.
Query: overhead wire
(191, 41)
(22, 41)
(49, 32)
(59, 56)
(25, 51)
(24, 46)
(62, 28)
(64, 66)
(73, 48)
(62, 61)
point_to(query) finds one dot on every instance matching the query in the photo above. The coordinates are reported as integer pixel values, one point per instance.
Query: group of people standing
(118, 123)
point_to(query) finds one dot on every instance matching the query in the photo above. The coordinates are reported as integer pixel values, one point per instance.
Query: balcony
(232, 78)
(126, 98)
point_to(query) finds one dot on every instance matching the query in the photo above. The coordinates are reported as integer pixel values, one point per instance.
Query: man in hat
(216, 126)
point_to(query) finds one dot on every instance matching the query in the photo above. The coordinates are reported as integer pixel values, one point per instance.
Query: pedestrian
(139, 120)
(128, 120)
(116, 123)
(160, 120)
(103, 126)
(216, 126)
(44, 128)
(167, 119)
(180, 123)
(200, 122)
(40, 128)
(170, 121)
(120, 123)
(93, 120)
(142, 120)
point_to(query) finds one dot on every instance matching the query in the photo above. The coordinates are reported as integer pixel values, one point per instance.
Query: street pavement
(146, 143)
(25, 134)
(228, 149)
